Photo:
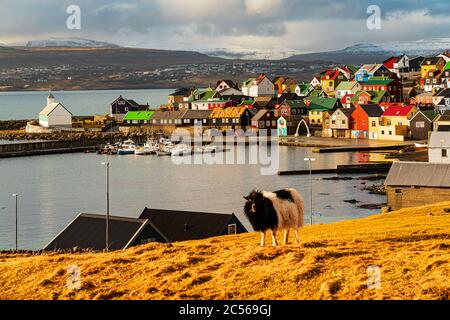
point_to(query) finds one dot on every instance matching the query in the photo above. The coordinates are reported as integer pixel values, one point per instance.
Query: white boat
(128, 147)
(421, 146)
(181, 150)
(152, 147)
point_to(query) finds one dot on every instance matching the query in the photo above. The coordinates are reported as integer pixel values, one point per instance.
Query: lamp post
(106, 164)
(16, 196)
(310, 160)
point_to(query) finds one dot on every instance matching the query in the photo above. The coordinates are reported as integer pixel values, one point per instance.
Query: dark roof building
(87, 231)
(372, 110)
(413, 184)
(183, 226)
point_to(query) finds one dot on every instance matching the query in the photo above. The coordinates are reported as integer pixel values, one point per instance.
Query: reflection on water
(27, 105)
(55, 188)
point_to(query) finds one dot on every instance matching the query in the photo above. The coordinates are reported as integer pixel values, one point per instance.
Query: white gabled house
(315, 82)
(55, 114)
(259, 87)
(439, 147)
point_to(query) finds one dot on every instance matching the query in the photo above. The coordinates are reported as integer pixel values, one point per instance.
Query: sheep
(275, 211)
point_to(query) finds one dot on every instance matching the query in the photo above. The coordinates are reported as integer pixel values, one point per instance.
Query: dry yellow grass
(412, 248)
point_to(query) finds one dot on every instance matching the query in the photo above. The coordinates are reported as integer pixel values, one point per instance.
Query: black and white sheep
(275, 211)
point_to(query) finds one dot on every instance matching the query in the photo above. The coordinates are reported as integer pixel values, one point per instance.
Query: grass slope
(411, 246)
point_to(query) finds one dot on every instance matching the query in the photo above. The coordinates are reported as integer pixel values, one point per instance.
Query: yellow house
(330, 80)
(432, 64)
(395, 122)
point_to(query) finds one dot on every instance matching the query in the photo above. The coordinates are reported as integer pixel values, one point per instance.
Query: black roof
(443, 93)
(182, 225)
(87, 231)
(181, 92)
(372, 110)
(445, 116)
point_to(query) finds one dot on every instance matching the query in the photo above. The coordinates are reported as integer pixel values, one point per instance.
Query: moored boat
(128, 147)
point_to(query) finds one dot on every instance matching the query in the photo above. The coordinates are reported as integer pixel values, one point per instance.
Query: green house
(138, 117)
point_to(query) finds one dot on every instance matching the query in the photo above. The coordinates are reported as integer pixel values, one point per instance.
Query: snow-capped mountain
(70, 43)
(370, 52)
(251, 53)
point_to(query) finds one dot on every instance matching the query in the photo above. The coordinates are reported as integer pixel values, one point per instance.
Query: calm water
(27, 105)
(55, 188)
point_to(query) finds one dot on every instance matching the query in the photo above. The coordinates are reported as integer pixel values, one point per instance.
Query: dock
(48, 147)
(360, 148)
(343, 169)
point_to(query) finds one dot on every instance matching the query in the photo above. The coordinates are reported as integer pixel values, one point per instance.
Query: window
(420, 124)
(398, 191)
(374, 124)
(232, 229)
(333, 122)
(382, 132)
(444, 153)
(267, 123)
(389, 123)
(390, 133)
(344, 122)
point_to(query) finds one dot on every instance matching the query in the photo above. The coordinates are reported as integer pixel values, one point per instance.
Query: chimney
(50, 99)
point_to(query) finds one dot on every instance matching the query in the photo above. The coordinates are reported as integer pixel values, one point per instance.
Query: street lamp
(106, 164)
(311, 160)
(16, 196)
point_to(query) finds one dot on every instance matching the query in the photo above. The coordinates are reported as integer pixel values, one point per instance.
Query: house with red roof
(347, 100)
(397, 65)
(395, 122)
(330, 80)
(258, 87)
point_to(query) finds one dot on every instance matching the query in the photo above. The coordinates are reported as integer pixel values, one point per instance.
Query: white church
(55, 114)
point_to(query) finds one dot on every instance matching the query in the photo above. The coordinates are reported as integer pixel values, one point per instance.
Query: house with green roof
(347, 87)
(318, 106)
(392, 85)
(138, 117)
(366, 97)
(304, 89)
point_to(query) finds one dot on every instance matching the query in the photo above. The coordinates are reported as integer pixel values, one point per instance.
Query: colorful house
(366, 120)
(330, 80)
(431, 64)
(341, 123)
(292, 108)
(233, 117)
(347, 88)
(317, 106)
(395, 122)
(138, 117)
(392, 85)
(303, 89)
(261, 86)
(422, 123)
(367, 97)
(368, 71)
(265, 120)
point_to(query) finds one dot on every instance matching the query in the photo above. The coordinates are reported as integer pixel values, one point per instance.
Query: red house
(364, 120)
(392, 85)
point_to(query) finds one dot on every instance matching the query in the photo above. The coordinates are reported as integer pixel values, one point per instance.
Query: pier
(48, 147)
(343, 169)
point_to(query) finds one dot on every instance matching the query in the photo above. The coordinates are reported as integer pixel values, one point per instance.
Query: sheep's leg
(274, 238)
(263, 238)
(286, 237)
(297, 237)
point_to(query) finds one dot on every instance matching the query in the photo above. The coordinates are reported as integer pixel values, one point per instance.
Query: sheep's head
(254, 201)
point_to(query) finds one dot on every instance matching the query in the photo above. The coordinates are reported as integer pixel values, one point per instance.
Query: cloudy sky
(303, 25)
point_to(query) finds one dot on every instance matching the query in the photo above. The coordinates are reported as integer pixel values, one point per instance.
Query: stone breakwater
(69, 136)
(13, 125)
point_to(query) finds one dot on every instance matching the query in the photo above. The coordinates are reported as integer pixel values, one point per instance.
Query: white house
(347, 88)
(439, 147)
(315, 82)
(55, 114)
(259, 87)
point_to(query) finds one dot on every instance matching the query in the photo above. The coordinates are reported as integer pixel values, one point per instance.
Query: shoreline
(83, 89)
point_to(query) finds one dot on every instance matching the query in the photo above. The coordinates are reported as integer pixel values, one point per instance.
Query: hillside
(410, 246)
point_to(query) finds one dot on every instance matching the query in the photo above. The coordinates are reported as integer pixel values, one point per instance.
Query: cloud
(301, 24)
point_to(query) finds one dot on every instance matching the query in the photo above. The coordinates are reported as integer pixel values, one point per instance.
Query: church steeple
(51, 98)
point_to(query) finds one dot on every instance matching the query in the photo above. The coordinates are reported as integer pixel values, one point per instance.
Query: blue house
(368, 71)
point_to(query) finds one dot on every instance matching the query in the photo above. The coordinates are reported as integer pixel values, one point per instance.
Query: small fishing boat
(128, 147)
(421, 146)
(151, 146)
(181, 150)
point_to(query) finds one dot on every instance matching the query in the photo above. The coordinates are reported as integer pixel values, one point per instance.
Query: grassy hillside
(412, 248)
